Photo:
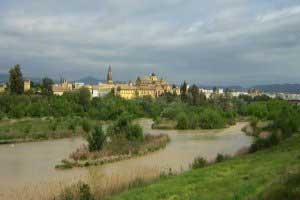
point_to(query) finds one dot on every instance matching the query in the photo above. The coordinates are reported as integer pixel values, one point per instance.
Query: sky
(211, 42)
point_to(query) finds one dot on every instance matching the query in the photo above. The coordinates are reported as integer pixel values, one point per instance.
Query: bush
(80, 191)
(211, 119)
(193, 121)
(96, 139)
(261, 143)
(121, 125)
(135, 132)
(28, 128)
(86, 126)
(84, 192)
(198, 162)
(53, 125)
(182, 121)
(72, 126)
(221, 158)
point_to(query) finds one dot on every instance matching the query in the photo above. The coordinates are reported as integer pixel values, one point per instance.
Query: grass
(242, 177)
(33, 129)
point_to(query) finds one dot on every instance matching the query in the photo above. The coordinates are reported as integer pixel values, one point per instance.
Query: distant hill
(231, 87)
(276, 88)
(90, 80)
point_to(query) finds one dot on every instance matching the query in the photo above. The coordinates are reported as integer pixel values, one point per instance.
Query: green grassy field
(31, 129)
(243, 177)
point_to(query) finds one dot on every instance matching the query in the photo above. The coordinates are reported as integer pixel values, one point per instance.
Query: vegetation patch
(36, 129)
(114, 151)
(122, 140)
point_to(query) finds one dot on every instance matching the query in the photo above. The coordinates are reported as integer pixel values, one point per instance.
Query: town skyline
(102, 76)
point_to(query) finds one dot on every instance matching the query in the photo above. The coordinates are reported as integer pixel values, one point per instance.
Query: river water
(27, 170)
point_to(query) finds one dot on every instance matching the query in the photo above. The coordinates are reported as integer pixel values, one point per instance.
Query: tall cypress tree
(16, 83)
(184, 91)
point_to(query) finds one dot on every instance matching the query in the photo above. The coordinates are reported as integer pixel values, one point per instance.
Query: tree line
(16, 83)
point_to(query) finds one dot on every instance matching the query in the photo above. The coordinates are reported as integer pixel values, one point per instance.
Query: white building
(206, 92)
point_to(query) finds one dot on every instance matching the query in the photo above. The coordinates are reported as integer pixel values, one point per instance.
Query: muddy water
(27, 170)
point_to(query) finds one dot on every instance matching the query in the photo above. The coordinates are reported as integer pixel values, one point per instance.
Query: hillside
(240, 178)
(89, 80)
(284, 88)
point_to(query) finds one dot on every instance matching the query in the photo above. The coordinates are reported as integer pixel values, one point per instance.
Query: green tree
(184, 91)
(46, 86)
(16, 83)
(96, 139)
(197, 97)
(84, 97)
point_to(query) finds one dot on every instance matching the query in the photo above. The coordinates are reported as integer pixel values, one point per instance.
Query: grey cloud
(208, 42)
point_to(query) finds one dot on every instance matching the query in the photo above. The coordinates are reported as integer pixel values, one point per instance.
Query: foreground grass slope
(240, 178)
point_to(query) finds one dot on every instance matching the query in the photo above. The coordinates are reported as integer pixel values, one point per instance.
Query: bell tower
(109, 75)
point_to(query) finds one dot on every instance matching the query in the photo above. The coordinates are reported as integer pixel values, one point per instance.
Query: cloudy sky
(228, 42)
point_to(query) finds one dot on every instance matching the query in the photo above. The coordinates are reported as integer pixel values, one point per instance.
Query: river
(27, 170)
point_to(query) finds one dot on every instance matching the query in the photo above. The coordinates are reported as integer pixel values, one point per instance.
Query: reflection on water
(33, 163)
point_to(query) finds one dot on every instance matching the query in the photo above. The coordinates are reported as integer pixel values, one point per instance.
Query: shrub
(253, 122)
(53, 125)
(135, 132)
(221, 158)
(84, 192)
(210, 119)
(96, 139)
(72, 125)
(172, 111)
(198, 162)
(193, 121)
(80, 191)
(261, 143)
(121, 125)
(28, 128)
(86, 126)
(182, 121)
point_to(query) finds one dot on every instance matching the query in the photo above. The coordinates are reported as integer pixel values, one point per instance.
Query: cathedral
(144, 86)
(151, 86)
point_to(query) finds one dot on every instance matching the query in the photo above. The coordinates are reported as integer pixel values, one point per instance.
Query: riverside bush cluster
(206, 118)
(285, 120)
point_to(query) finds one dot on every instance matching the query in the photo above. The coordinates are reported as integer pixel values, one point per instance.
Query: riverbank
(36, 161)
(243, 177)
(116, 150)
(39, 129)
